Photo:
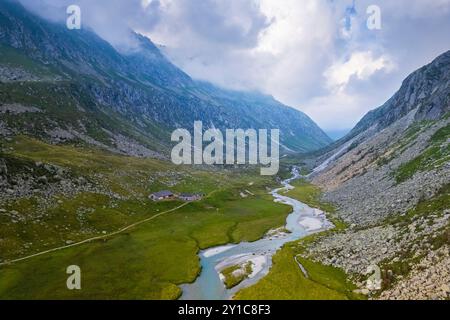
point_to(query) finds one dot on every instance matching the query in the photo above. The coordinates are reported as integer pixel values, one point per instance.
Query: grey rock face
(363, 181)
(9, 74)
(429, 280)
(426, 90)
(364, 188)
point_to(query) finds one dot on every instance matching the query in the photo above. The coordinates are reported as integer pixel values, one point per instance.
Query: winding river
(302, 222)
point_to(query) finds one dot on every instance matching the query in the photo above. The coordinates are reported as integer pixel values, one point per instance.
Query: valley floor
(94, 207)
(294, 276)
(147, 261)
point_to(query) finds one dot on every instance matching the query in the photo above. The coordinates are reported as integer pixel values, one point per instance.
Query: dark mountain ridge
(89, 91)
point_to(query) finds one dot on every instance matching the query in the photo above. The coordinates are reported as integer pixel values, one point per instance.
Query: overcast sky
(314, 55)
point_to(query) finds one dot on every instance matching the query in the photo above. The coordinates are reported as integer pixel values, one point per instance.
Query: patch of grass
(384, 161)
(234, 275)
(286, 281)
(436, 155)
(407, 170)
(441, 135)
(409, 136)
(310, 195)
(353, 146)
(437, 204)
(16, 59)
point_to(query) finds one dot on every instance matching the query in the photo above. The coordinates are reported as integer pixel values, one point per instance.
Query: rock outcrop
(391, 184)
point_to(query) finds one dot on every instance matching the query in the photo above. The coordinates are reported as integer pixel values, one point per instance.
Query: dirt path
(105, 236)
(305, 273)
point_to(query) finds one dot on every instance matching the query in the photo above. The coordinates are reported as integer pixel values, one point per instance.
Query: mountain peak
(427, 90)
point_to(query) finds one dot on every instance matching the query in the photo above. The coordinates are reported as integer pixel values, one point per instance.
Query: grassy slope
(15, 59)
(286, 281)
(435, 156)
(147, 262)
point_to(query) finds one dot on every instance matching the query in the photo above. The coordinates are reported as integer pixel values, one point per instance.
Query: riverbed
(302, 222)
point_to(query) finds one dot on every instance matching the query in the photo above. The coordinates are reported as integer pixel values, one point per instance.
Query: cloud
(309, 55)
(315, 55)
(110, 19)
(360, 66)
(334, 110)
(233, 24)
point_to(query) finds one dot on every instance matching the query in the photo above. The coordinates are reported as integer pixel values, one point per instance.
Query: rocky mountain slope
(78, 88)
(390, 180)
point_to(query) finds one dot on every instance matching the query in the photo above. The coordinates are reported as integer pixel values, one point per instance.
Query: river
(302, 222)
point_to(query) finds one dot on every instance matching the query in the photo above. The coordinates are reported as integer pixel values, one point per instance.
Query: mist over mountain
(129, 101)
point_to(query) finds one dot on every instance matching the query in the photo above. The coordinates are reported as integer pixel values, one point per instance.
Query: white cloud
(360, 65)
(295, 50)
(295, 23)
(298, 52)
(337, 111)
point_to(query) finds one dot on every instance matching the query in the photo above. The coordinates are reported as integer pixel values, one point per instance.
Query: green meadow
(286, 281)
(148, 261)
(152, 259)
